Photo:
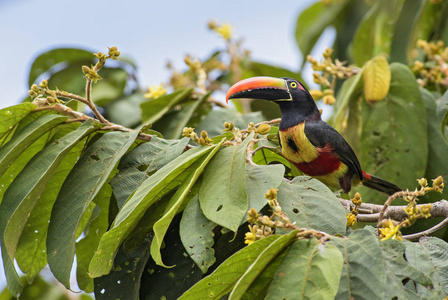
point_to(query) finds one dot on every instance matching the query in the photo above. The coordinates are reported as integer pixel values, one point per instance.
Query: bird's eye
(293, 85)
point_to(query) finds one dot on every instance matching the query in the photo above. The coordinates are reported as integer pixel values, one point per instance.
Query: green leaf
(79, 189)
(310, 204)
(437, 145)
(158, 282)
(398, 270)
(111, 87)
(126, 111)
(141, 162)
(374, 35)
(10, 116)
(257, 267)
(222, 280)
(154, 109)
(161, 226)
(259, 180)
(394, 135)
(28, 135)
(31, 252)
(351, 89)
(405, 36)
(442, 110)
(196, 233)
(173, 123)
(430, 256)
(313, 21)
(259, 287)
(310, 270)
(213, 122)
(163, 181)
(123, 282)
(23, 193)
(85, 248)
(222, 195)
(363, 275)
(44, 62)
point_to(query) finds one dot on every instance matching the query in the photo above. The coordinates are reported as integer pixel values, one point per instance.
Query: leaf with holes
(79, 189)
(222, 195)
(310, 204)
(161, 226)
(310, 270)
(196, 233)
(151, 190)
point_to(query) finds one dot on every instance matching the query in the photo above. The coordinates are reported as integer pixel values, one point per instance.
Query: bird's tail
(379, 184)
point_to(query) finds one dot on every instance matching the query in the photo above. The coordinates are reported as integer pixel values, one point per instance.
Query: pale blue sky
(151, 32)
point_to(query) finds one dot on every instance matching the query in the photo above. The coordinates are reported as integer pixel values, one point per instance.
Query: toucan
(307, 141)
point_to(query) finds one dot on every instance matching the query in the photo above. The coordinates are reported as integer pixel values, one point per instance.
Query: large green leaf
(123, 282)
(374, 34)
(126, 111)
(45, 61)
(257, 267)
(394, 135)
(173, 123)
(310, 204)
(442, 111)
(222, 195)
(31, 252)
(213, 122)
(398, 270)
(196, 233)
(259, 180)
(23, 193)
(430, 256)
(154, 109)
(79, 189)
(313, 21)
(222, 280)
(405, 36)
(310, 270)
(351, 90)
(163, 181)
(158, 282)
(161, 226)
(20, 141)
(143, 161)
(10, 116)
(363, 275)
(437, 145)
(85, 248)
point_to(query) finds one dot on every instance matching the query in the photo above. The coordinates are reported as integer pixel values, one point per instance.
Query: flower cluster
(351, 216)
(155, 91)
(390, 229)
(262, 226)
(329, 71)
(203, 140)
(434, 69)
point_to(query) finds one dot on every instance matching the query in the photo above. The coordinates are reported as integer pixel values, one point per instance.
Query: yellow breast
(295, 145)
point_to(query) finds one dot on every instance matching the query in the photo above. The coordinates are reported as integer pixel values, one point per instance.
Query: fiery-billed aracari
(312, 145)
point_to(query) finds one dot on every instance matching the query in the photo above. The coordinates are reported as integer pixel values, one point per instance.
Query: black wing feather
(320, 134)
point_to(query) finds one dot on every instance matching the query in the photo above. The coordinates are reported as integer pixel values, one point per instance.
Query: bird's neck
(294, 114)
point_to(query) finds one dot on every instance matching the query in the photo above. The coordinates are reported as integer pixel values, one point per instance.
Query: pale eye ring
(293, 85)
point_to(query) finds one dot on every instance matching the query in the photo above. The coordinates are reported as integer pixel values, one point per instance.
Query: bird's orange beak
(262, 87)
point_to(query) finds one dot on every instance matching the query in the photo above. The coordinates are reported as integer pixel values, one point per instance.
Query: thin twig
(274, 121)
(90, 103)
(415, 236)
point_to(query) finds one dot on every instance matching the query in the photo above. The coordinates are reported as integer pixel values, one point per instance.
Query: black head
(296, 103)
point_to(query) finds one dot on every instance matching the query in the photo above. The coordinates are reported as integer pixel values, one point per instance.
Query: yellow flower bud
(329, 99)
(204, 134)
(264, 129)
(316, 94)
(376, 76)
(271, 194)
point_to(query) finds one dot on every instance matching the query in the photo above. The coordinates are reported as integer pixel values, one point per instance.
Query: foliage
(154, 190)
